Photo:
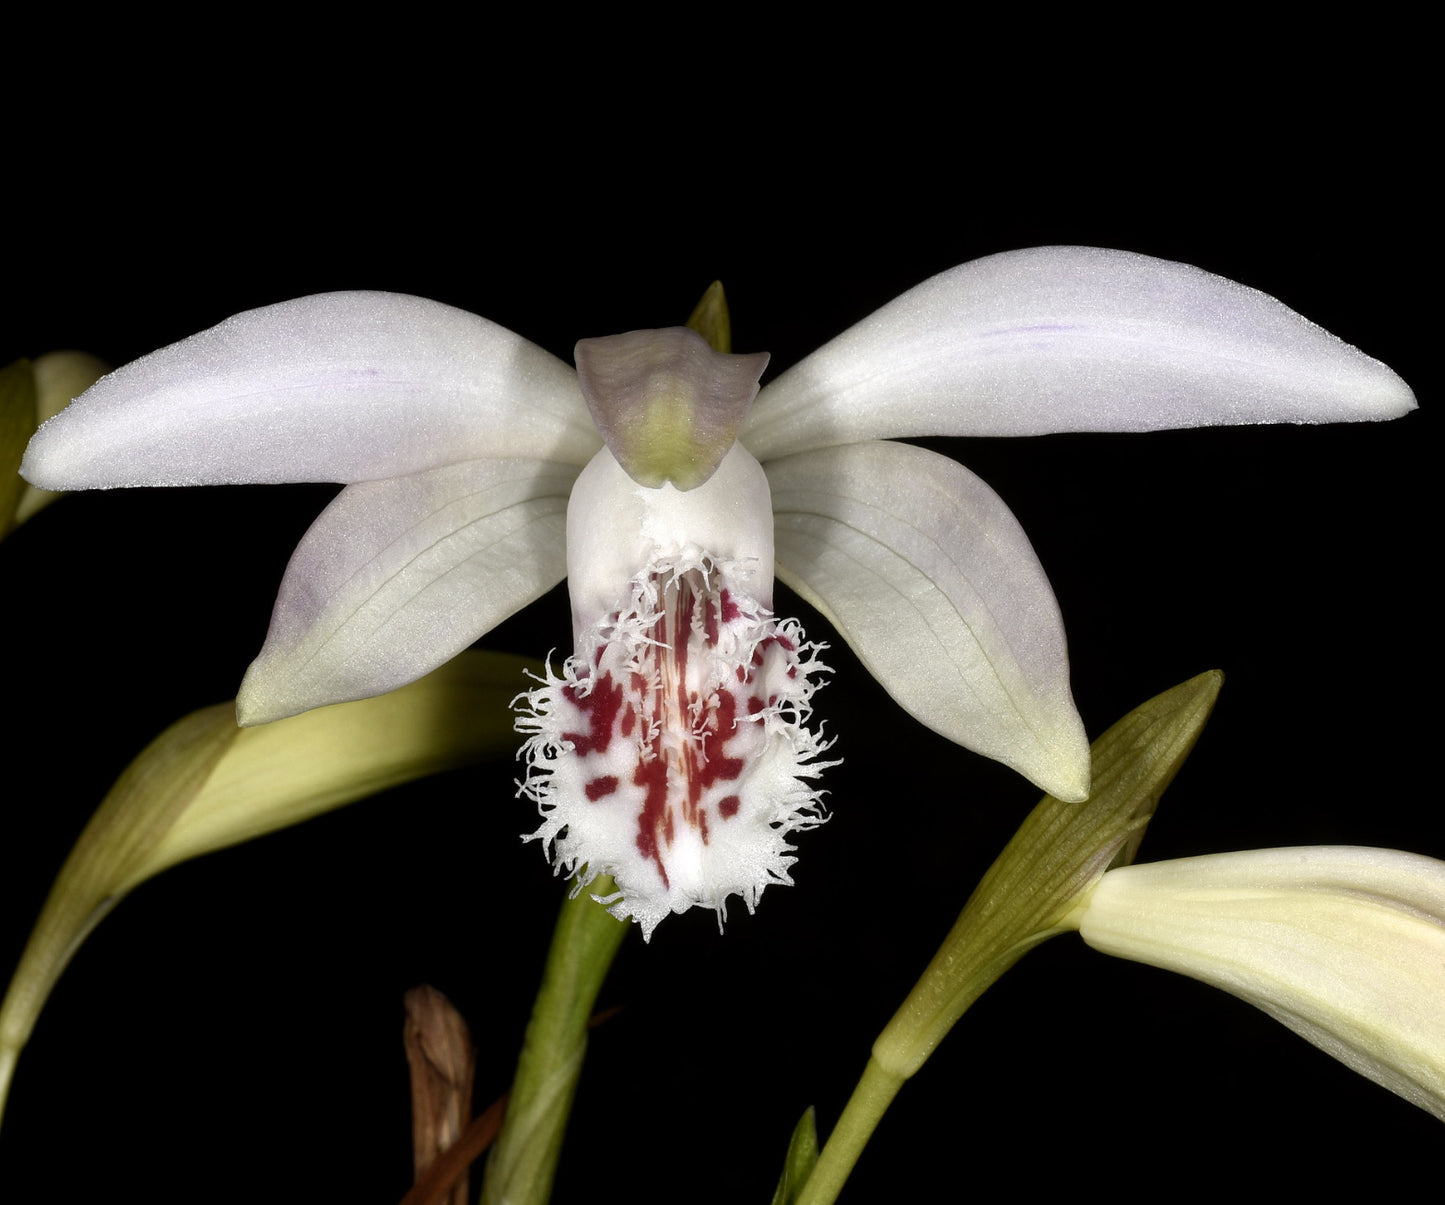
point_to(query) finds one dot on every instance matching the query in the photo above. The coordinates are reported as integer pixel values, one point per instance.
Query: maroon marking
(600, 707)
(715, 766)
(652, 775)
(600, 787)
(694, 783)
(682, 633)
(676, 783)
(629, 717)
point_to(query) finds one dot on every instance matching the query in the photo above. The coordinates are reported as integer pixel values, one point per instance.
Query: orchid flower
(672, 751)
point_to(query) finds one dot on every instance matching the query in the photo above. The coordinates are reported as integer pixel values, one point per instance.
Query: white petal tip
(1067, 776)
(1075, 791)
(1396, 399)
(267, 695)
(254, 708)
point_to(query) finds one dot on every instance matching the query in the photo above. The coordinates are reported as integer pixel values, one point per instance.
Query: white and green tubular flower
(672, 750)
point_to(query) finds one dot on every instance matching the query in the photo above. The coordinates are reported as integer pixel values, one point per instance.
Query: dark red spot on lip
(728, 806)
(598, 788)
(715, 766)
(601, 706)
(729, 608)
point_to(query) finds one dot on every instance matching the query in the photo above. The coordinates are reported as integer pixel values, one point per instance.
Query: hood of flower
(667, 404)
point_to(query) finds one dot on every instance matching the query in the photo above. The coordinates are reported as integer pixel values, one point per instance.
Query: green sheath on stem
(1054, 860)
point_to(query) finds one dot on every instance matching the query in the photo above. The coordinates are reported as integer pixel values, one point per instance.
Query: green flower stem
(961, 972)
(861, 1115)
(584, 944)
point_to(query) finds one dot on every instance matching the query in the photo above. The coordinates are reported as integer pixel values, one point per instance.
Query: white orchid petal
(1344, 945)
(337, 387)
(931, 580)
(1070, 339)
(398, 576)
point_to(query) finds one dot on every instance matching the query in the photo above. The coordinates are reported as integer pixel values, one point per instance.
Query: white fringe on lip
(724, 853)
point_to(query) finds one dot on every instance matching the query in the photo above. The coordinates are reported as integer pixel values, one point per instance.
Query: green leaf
(802, 1155)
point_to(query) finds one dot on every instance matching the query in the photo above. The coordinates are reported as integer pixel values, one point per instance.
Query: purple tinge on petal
(397, 577)
(1069, 339)
(337, 387)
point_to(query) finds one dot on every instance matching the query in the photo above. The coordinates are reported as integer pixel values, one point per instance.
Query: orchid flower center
(672, 751)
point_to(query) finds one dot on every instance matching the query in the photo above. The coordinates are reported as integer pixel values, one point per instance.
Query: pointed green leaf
(802, 1155)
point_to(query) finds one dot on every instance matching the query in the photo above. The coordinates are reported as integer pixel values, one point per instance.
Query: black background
(233, 1030)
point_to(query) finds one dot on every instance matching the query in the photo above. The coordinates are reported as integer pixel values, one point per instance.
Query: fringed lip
(673, 751)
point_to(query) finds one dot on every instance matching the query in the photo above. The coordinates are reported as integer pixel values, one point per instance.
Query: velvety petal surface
(336, 387)
(398, 576)
(1069, 339)
(931, 580)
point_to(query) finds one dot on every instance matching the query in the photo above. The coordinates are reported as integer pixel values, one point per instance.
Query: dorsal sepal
(667, 405)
